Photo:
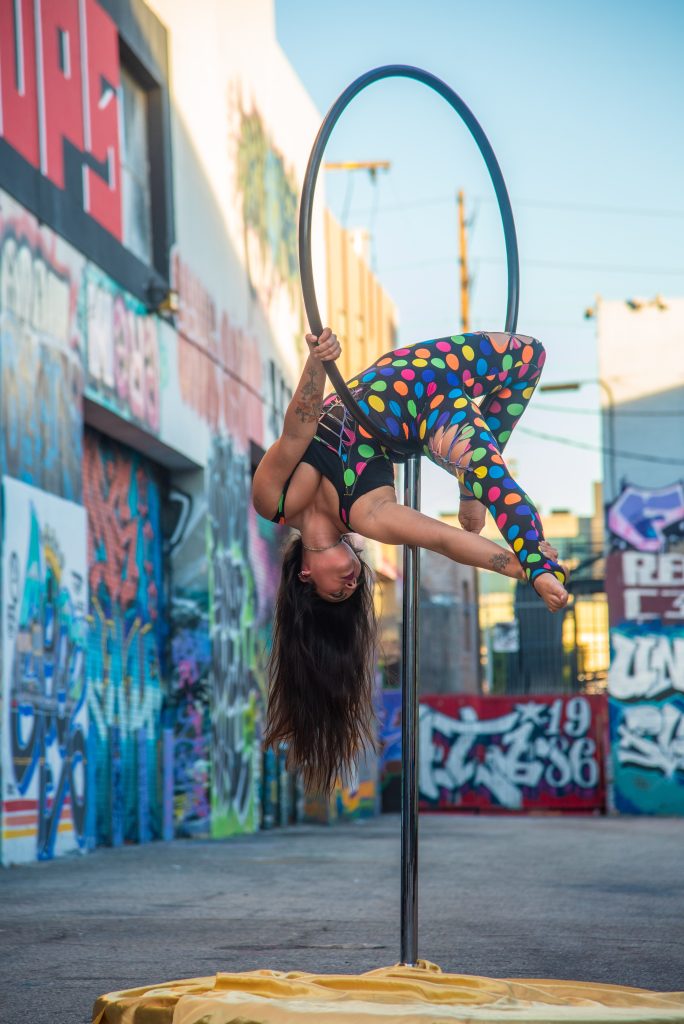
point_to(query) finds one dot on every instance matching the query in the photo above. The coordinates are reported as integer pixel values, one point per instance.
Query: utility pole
(463, 263)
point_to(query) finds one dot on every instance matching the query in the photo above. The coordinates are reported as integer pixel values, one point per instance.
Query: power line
(599, 448)
(618, 412)
(543, 265)
(618, 211)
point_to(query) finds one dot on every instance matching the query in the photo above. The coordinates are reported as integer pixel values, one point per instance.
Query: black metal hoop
(306, 209)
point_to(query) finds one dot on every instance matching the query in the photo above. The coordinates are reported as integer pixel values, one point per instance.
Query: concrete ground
(593, 899)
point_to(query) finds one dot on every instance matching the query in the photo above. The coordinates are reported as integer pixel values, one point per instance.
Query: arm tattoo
(499, 562)
(308, 408)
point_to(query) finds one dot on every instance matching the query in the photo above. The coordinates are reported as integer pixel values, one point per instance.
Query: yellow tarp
(409, 995)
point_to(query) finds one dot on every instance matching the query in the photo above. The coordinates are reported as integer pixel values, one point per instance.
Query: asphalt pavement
(591, 899)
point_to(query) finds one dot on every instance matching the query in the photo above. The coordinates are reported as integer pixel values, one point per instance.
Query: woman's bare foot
(551, 590)
(471, 516)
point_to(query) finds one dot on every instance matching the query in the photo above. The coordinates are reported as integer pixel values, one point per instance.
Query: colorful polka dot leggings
(460, 398)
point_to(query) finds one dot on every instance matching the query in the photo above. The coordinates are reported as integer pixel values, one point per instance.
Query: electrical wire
(599, 448)
(543, 265)
(593, 209)
(618, 412)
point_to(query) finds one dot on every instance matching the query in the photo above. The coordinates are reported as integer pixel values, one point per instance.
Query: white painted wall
(225, 64)
(641, 359)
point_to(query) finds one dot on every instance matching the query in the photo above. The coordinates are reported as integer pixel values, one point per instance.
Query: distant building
(524, 649)
(641, 364)
(361, 312)
(449, 642)
(364, 317)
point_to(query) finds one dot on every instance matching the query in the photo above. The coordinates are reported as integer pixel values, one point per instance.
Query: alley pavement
(590, 899)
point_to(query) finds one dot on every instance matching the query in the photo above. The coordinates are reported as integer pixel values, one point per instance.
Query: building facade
(641, 362)
(137, 581)
(151, 334)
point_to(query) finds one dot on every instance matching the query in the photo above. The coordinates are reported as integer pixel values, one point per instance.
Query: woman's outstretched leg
(468, 450)
(519, 360)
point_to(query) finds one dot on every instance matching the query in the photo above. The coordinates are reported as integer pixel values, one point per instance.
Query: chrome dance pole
(409, 730)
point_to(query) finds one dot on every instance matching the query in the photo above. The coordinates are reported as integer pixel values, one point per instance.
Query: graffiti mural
(122, 495)
(648, 751)
(645, 589)
(351, 800)
(190, 657)
(123, 351)
(646, 688)
(78, 111)
(647, 661)
(264, 188)
(40, 355)
(44, 712)
(644, 586)
(503, 753)
(389, 736)
(646, 519)
(235, 750)
(231, 573)
(219, 366)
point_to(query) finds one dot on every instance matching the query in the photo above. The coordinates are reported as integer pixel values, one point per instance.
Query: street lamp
(575, 385)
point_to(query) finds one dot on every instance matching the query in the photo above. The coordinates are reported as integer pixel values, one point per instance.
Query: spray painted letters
(45, 719)
(40, 355)
(235, 751)
(122, 496)
(123, 352)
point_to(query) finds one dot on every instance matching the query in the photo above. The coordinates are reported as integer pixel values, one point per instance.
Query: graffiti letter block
(102, 195)
(62, 94)
(18, 97)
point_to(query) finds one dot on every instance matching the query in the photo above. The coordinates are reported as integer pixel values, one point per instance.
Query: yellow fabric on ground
(410, 995)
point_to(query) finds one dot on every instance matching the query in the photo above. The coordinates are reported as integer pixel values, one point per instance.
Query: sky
(583, 104)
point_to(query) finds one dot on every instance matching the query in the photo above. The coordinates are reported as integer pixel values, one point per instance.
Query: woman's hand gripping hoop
(325, 348)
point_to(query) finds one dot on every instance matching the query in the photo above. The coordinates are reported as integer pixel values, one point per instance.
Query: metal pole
(409, 731)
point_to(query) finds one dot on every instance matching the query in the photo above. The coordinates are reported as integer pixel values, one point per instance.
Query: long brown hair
(320, 700)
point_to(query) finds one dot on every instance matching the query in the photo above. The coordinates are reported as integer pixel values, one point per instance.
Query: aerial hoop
(306, 209)
(409, 660)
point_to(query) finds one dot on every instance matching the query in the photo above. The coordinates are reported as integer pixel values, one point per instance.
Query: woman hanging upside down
(457, 399)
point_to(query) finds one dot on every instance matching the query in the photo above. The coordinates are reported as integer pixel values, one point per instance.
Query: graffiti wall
(503, 753)
(122, 494)
(356, 798)
(389, 737)
(235, 751)
(123, 351)
(265, 190)
(44, 710)
(645, 587)
(134, 674)
(218, 362)
(41, 372)
(189, 697)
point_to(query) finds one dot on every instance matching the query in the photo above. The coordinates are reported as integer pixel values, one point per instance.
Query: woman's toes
(551, 590)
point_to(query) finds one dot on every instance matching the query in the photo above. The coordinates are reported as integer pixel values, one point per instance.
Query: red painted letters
(18, 95)
(102, 196)
(59, 75)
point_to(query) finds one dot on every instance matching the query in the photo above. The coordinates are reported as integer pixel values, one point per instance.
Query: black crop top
(344, 453)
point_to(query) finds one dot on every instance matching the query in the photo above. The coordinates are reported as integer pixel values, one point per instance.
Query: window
(135, 167)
